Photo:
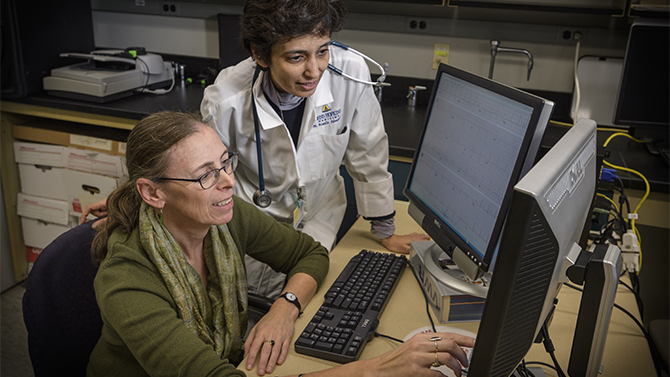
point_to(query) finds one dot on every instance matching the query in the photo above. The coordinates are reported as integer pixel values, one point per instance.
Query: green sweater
(142, 334)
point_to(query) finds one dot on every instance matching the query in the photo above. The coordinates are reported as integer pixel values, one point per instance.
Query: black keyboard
(350, 313)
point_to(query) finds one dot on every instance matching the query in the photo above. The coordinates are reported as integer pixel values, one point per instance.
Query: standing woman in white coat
(309, 121)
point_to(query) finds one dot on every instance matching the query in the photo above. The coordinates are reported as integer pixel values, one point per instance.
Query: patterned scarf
(223, 303)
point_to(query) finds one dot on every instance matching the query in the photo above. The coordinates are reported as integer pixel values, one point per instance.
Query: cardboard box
(39, 154)
(77, 188)
(86, 188)
(43, 181)
(95, 162)
(73, 158)
(449, 305)
(49, 210)
(39, 234)
(61, 133)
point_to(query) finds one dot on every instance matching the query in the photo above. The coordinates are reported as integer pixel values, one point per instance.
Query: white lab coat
(342, 121)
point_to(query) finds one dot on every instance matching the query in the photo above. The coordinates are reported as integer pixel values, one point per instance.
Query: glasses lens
(209, 179)
(231, 163)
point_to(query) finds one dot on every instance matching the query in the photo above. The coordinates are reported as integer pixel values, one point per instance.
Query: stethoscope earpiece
(262, 198)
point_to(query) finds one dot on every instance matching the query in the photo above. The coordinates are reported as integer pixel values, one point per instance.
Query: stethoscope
(262, 197)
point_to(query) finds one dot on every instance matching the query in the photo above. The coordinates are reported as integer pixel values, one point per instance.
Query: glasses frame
(229, 164)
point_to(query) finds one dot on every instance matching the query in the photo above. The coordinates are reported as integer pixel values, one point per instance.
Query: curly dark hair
(267, 22)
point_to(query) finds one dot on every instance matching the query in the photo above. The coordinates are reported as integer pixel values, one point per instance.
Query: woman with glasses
(171, 285)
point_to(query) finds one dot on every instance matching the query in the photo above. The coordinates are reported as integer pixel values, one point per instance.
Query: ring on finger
(436, 363)
(435, 339)
(272, 342)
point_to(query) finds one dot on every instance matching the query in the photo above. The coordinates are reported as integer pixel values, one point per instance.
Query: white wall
(408, 55)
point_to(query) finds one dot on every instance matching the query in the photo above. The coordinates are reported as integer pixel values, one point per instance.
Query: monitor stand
(453, 278)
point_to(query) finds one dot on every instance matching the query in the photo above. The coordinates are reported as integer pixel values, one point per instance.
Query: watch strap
(292, 301)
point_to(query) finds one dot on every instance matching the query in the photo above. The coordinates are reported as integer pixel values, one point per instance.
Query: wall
(7, 279)
(408, 54)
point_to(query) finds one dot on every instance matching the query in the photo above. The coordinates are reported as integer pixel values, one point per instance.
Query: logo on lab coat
(328, 116)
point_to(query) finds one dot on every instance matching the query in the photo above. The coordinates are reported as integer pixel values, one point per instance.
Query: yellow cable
(561, 123)
(622, 134)
(605, 129)
(609, 200)
(646, 184)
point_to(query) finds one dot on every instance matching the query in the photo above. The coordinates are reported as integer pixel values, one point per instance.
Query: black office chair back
(59, 306)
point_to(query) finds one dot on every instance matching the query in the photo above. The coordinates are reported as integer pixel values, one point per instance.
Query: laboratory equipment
(496, 49)
(411, 95)
(107, 75)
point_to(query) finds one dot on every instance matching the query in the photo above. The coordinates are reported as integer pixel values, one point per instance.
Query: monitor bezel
(432, 223)
(623, 115)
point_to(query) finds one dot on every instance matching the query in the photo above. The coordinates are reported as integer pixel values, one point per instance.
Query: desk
(626, 350)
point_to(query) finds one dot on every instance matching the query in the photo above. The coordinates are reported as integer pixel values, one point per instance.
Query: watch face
(290, 296)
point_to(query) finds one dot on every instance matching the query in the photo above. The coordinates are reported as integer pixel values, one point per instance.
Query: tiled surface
(14, 358)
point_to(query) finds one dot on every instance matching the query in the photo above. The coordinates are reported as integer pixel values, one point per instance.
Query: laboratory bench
(114, 120)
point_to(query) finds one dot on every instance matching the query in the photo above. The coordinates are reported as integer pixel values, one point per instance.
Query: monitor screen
(644, 89)
(479, 137)
(549, 208)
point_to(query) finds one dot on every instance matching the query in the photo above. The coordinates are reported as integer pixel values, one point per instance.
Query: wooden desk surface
(626, 350)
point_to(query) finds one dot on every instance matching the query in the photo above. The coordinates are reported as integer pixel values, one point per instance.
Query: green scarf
(223, 304)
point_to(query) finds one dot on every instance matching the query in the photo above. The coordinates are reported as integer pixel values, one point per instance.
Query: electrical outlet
(170, 8)
(568, 35)
(440, 54)
(417, 24)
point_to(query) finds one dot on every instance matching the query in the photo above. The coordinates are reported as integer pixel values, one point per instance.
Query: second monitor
(479, 138)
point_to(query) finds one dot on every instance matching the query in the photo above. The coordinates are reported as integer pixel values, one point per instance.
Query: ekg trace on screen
(469, 150)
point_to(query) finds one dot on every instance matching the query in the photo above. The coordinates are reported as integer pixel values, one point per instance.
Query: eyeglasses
(210, 178)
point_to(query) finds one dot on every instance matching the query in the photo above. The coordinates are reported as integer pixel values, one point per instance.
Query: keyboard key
(325, 346)
(305, 342)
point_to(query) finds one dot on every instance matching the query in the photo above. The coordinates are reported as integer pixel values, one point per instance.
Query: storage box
(77, 188)
(86, 188)
(95, 162)
(49, 210)
(61, 133)
(39, 154)
(449, 305)
(43, 181)
(39, 234)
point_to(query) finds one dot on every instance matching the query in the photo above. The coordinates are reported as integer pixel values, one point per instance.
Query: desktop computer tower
(34, 33)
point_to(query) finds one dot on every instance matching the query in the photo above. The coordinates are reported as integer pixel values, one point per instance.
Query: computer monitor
(548, 210)
(644, 89)
(479, 137)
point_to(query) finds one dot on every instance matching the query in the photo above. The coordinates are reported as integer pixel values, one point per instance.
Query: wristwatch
(290, 297)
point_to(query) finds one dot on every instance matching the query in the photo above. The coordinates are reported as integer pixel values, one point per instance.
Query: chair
(59, 306)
